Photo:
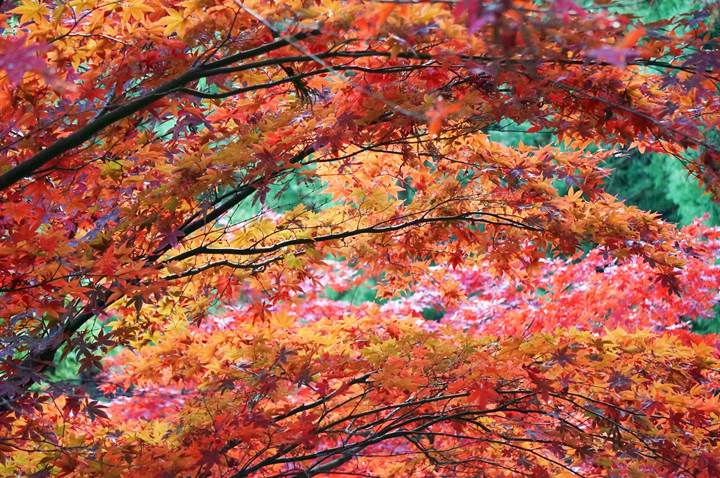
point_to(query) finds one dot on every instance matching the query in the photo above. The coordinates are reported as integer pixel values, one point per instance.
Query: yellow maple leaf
(31, 11)
(83, 5)
(292, 261)
(175, 22)
(135, 9)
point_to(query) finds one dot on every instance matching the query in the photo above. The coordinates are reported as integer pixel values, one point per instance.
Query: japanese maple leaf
(479, 15)
(171, 238)
(17, 58)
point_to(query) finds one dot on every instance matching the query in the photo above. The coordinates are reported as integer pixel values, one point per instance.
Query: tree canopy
(187, 188)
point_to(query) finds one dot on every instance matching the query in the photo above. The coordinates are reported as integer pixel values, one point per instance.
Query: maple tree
(147, 154)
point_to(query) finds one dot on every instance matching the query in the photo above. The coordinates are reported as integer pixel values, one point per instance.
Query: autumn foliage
(527, 323)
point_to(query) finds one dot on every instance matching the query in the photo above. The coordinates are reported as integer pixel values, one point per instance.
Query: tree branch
(376, 229)
(63, 145)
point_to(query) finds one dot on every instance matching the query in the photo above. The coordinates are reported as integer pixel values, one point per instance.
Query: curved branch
(376, 229)
(299, 76)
